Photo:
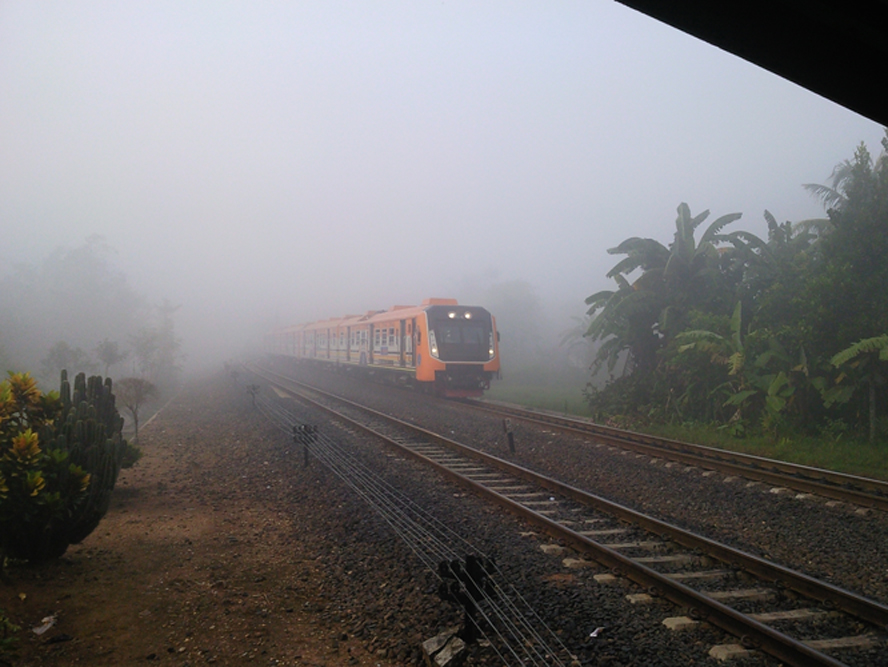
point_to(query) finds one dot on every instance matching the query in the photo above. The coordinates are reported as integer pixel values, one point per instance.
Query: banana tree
(643, 315)
(728, 351)
(624, 320)
(763, 383)
(862, 367)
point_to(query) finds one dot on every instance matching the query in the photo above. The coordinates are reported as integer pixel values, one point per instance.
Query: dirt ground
(200, 559)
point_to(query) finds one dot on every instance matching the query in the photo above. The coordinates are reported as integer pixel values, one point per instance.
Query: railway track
(791, 616)
(862, 491)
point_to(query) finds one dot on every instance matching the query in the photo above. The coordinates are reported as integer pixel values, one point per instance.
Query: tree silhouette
(133, 393)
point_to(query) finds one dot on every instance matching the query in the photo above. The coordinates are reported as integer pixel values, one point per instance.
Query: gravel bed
(838, 544)
(380, 592)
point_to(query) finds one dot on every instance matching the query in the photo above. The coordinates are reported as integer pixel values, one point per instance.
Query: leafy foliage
(640, 318)
(787, 333)
(60, 454)
(156, 348)
(108, 352)
(8, 637)
(861, 364)
(133, 393)
(78, 291)
(62, 356)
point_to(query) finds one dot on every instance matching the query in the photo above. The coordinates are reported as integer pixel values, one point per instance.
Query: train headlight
(433, 343)
(451, 315)
(468, 315)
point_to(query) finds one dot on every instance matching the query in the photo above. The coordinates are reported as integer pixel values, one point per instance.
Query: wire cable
(512, 627)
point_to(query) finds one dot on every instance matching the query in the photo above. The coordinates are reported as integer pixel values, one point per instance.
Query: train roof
(371, 316)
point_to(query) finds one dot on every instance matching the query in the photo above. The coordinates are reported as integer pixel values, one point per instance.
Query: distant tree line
(75, 311)
(788, 332)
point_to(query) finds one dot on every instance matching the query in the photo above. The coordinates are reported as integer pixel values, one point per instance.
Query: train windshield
(461, 333)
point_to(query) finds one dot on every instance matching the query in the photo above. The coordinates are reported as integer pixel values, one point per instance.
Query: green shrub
(8, 639)
(60, 454)
(131, 454)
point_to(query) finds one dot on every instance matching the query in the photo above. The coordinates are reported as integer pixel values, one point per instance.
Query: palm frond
(651, 249)
(626, 266)
(601, 296)
(622, 282)
(867, 345)
(648, 281)
(709, 236)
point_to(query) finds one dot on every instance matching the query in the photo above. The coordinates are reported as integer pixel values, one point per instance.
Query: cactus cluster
(60, 455)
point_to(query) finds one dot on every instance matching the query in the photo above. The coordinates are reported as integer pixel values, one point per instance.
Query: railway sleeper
(804, 614)
(751, 594)
(674, 559)
(854, 641)
(604, 531)
(511, 491)
(647, 544)
(697, 576)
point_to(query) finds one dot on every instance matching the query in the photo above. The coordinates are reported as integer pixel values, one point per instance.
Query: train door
(363, 341)
(402, 339)
(414, 345)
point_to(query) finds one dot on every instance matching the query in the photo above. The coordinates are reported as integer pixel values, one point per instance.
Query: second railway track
(862, 491)
(791, 616)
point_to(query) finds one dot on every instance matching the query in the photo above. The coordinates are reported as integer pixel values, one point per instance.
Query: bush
(131, 454)
(8, 639)
(60, 455)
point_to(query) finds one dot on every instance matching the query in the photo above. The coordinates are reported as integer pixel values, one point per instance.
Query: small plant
(131, 454)
(60, 454)
(834, 429)
(8, 640)
(133, 394)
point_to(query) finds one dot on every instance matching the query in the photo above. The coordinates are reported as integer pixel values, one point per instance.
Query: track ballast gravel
(839, 544)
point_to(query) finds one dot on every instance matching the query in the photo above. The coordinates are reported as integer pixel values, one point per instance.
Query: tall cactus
(75, 459)
(90, 428)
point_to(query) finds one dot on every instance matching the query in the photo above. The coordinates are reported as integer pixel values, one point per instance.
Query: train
(438, 347)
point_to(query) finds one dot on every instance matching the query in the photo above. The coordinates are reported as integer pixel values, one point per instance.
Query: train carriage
(438, 346)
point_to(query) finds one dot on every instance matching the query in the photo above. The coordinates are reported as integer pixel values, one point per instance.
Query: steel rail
(773, 642)
(863, 491)
(432, 541)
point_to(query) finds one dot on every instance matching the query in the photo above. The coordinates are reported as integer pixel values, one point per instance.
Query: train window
(473, 335)
(448, 334)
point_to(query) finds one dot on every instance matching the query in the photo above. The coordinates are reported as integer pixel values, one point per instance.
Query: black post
(466, 584)
(305, 434)
(253, 389)
(507, 427)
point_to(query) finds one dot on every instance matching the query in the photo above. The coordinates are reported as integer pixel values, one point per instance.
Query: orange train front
(440, 346)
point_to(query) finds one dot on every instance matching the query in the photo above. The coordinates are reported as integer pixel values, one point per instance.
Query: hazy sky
(306, 159)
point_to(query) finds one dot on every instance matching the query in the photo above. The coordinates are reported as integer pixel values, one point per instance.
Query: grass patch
(562, 391)
(542, 388)
(848, 454)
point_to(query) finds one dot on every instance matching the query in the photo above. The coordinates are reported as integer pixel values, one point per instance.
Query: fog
(262, 164)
